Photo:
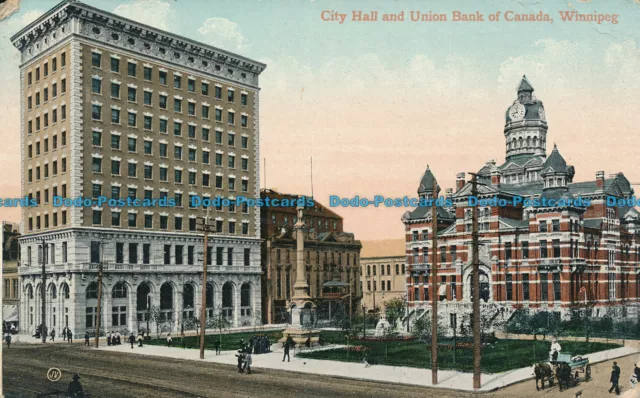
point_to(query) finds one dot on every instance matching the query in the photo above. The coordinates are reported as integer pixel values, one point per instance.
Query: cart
(568, 369)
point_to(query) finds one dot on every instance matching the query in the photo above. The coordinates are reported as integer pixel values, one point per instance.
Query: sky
(374, 102)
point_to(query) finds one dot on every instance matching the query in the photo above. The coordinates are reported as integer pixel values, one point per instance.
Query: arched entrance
(227, 299)
(166, 302)
(485, 283)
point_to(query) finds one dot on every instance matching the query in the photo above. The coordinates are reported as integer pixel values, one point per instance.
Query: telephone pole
(43, 333)
(99, 309)
(434, 293)
(475, 286)
(206, 229)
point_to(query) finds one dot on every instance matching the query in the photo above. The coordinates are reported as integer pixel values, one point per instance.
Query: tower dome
(525, 127)
(425, 190)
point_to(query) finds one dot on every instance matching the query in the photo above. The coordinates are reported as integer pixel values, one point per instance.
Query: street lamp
(364, 323)
(148, 314)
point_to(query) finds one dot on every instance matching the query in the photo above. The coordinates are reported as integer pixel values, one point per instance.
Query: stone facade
(383, 272)
(140, 114)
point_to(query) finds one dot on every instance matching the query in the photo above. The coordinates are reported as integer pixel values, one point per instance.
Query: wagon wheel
(587, 373)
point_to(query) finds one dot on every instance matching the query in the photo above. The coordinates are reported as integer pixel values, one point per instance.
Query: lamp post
(148, 314)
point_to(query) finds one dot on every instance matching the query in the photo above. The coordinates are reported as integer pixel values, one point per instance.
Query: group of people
(67, 335)
(113, 338)
(261, 344)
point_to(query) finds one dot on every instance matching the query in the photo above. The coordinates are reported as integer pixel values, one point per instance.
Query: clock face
(516, 112)
(541, 114)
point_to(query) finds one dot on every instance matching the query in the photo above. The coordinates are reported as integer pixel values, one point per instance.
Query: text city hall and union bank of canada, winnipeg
(459, 16)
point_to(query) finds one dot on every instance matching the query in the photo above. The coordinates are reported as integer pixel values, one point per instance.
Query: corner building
(111, 107)
(560, 259)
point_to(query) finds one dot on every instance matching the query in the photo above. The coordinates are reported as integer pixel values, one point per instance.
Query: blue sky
(374, 103)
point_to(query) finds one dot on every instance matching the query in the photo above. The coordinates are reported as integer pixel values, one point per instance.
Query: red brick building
(555, 258)
(331, 255)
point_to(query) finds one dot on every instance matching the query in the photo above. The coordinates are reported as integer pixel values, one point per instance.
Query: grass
(503, 356)
(230, 341)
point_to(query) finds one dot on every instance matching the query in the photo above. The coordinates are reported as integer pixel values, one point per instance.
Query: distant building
(10, 279)
(331, 255)
(383, 272)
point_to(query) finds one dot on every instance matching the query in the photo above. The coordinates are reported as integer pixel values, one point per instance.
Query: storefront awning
(10, 313)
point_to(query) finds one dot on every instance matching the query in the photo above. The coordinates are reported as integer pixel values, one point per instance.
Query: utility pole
(206, 229)
(99, 309)
(434, 281)
(475, 286)
(44, 292)
(149, 313)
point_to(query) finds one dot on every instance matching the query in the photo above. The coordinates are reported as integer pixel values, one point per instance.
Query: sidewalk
(449, 379)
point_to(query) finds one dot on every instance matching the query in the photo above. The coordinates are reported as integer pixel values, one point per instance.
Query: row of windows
(163, 149)
(45, 94)
(45, 68)
(311, 220)
(383, 284)
(42, 122)
(45, 169)
(45, 145)
(163, 175)
(132, 116)
(348, 257)
(178, 224)
(399, 269)
(45, 218)
(147, 73)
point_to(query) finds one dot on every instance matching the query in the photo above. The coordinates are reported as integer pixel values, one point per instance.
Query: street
(114, 374)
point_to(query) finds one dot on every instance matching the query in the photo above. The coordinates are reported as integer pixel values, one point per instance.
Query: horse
(543, 372)
(564, 375)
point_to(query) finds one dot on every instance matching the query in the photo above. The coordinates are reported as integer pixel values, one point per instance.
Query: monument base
(300, 336)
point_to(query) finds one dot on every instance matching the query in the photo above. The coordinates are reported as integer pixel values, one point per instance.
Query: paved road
(112, 374)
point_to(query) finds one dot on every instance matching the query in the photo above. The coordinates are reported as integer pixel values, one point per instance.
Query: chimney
(600, 180)
(460, 181)
(495, 178)
(448, 193)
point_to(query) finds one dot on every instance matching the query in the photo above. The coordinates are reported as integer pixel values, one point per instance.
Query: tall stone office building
(111, 107)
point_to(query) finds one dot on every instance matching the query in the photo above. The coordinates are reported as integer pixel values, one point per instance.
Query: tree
(421, 328)
(155, 316)
(394, 309)
(220, 322)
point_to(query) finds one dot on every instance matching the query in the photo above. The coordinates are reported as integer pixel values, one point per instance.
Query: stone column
(300, 288)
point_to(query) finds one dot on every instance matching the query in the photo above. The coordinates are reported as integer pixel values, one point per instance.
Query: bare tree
(220, 322)
(155, 316)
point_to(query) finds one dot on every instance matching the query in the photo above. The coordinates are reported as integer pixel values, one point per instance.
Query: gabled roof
(525, 85)
(483, 189)
(424, 212)
(555, 162)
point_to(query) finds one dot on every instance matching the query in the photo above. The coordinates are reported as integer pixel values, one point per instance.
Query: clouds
(223, 33)
(154, 13)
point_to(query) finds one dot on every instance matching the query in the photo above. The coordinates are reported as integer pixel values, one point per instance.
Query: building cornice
(73, 17)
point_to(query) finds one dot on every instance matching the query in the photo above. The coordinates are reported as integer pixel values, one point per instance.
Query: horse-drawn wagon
(564, 368)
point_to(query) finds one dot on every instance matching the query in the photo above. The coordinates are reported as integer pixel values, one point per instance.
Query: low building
(10, 280)
(383, 272)
(331, 255)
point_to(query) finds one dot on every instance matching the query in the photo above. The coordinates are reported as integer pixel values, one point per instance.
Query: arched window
(142, 293)
(166, 296)
(210, 295)
(528, 142)
(30, 291)
(388, 269)
(187, 296)
(535, 141)
(368, 270)
(227, 299)
(119, 291)
(245, 299)
(92, 291)
(53, 291)
(64, 290)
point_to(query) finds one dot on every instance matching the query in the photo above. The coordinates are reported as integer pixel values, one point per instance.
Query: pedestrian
(615, 377)
(75, 388)
(53, 334)
(217, 346)
(287, 344)
(169, 341)
(132, 340)
(118, 341)
(247, 362)
(108, 339)
(240, 356)
(86, 338)
(69, 336)
(140, 340)
(64, 334)
(7, 338)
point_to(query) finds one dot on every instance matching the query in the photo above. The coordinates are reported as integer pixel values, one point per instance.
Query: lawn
(230, 341)
(499, 357)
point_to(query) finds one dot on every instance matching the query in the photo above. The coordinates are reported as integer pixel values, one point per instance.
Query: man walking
(169, 340)
(109, 339)
(287, 345)
(140, 340)
(615, 377)
(217, 346)
(69, 336)
(64, 334)
(53, 334)
(132, 340)
(86, 338)
(7, 338)
(247, 362)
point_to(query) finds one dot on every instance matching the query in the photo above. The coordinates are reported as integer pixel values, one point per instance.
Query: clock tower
(526, 127)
